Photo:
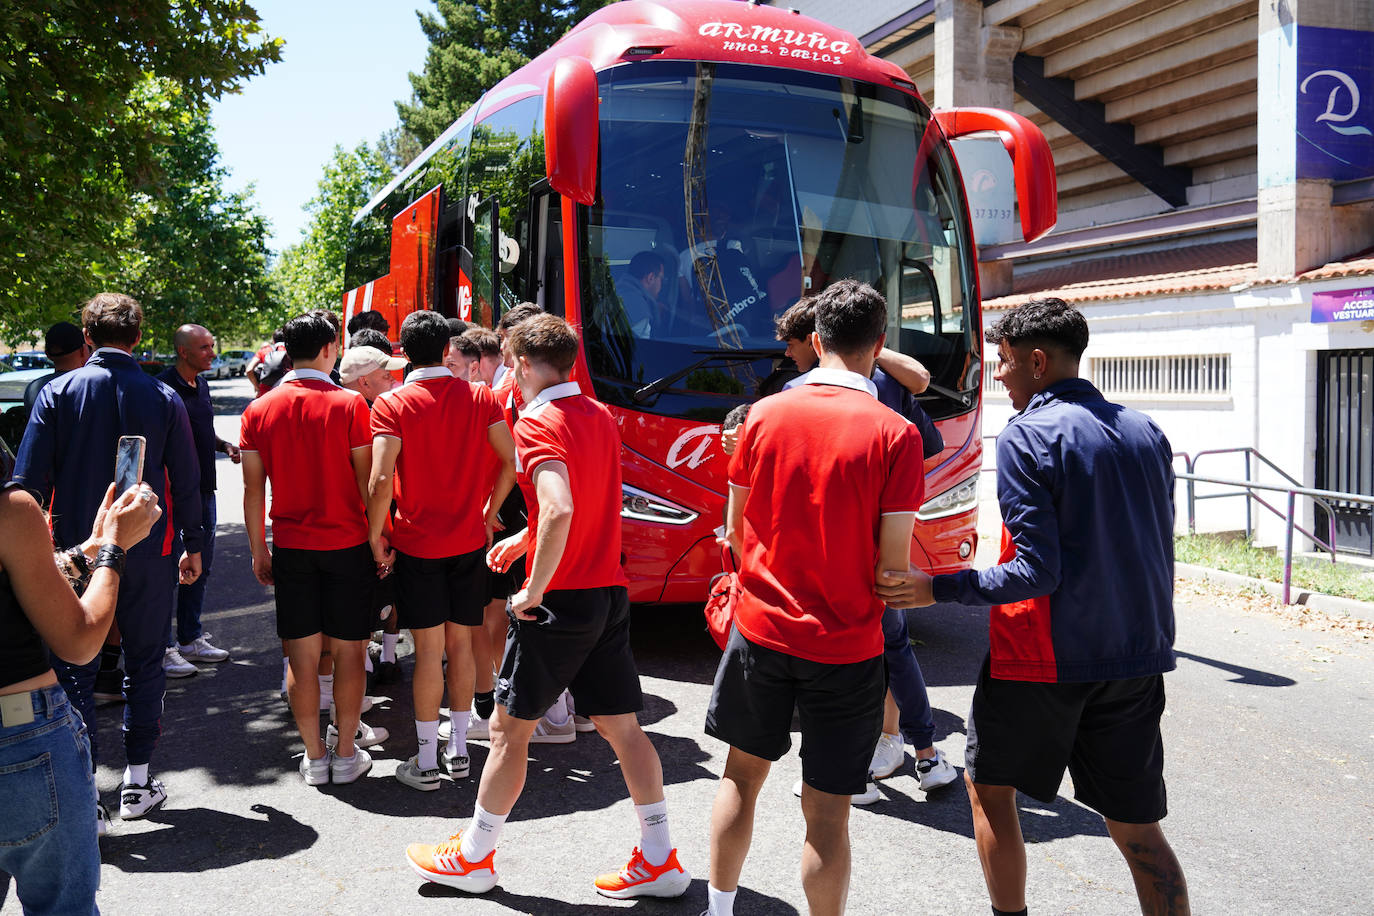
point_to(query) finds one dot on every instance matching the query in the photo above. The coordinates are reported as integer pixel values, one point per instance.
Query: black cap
(63, 338)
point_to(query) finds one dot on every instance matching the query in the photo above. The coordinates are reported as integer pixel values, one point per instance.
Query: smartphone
(129, 463)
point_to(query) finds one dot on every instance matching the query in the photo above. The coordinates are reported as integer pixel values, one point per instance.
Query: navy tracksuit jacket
(67, 456)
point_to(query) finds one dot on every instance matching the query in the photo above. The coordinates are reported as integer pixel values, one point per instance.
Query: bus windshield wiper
(711, 354)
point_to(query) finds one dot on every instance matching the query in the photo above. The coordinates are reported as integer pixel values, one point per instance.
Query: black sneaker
(109, 686)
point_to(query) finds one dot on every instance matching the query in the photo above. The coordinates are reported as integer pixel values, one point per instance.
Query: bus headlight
(961, 497)
(646, 507)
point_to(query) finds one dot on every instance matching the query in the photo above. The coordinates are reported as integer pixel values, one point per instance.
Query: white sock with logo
(654, 840)
(458, 738)
(389, 646)
(484, 830)
(326, 691)
(428, 733)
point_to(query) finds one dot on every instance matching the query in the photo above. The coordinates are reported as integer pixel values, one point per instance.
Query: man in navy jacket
(1082, 620)
(68, 457)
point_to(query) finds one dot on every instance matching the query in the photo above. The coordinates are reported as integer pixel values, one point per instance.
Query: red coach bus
(758, 155)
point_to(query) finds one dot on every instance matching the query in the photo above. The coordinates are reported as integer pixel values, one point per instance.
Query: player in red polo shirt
(827, 459)
(570, 623)
(445, 511)
(311, 439)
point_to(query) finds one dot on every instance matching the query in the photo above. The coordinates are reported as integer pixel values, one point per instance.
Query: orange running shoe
(640, 879)
(444, 864)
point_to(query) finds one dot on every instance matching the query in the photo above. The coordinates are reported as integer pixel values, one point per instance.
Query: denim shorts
(45, 768)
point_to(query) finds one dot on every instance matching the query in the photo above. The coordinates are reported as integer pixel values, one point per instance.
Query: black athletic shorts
(840, 706)
(1106, 733)
(504, 584)
(585, 649)
(446, 590)
(324, 591)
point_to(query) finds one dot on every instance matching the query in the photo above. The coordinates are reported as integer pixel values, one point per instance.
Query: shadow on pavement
(1250, 676)
(202, 839)
(747, 902)
(948, 809)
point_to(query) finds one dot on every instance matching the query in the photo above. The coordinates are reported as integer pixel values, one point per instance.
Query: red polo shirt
(509, 396)
(563, 425)
(305, 430)
(822, 464)
(442, 423)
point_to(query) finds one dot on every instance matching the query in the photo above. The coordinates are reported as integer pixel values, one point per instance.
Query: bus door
(544, 227)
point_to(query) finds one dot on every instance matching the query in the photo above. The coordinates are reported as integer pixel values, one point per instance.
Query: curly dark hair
(850, 317)
(1043, 323)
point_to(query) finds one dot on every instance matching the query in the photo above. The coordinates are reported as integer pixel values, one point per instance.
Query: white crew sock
(367, 662)
(720, 903)
(136, 774)
(326, 691)
(458, 738)
(482, 834)
(389, 646)
(428, 733)
(557, 714)
(285, 666)
(654, 840)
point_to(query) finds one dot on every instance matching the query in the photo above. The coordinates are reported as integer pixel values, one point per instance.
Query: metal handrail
(1291, 525)
(1252, 452)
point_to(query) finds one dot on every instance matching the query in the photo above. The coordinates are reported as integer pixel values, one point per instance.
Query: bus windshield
(728, 192)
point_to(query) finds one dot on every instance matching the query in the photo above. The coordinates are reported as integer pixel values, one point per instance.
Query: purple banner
(1335, 103)
(1343, 305)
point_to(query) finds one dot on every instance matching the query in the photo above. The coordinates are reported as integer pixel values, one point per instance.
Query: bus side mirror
(1032, 164)
(572, 129)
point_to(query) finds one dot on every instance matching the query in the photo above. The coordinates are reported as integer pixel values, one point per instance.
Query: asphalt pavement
(1268, 741)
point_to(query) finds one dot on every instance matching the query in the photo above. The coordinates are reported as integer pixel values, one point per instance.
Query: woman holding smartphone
(47, 791)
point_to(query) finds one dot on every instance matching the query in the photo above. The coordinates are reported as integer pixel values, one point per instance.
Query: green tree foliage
(89, 93)
(194, 252)
(473, 46)
(310, 273)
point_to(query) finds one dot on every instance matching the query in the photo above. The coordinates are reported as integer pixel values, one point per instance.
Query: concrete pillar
(973, 69)
(1306, 49)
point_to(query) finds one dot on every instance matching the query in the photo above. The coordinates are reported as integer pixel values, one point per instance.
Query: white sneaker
(887, 756)
(408, 773)
(201, 650)
(456, 765)
(136, 801)
(365, 736)
(548, 733)
(102, 820)
(343, 770)
(867, 797)
(935, 772)
(316, 772)
(176, 666)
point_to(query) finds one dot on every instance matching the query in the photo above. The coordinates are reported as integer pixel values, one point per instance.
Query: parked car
(14, 381)
(236, 361)
(27, 359)
(218, 369)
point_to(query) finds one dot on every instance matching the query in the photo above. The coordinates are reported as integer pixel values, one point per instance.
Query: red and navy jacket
(67, 455)
(1085, 589)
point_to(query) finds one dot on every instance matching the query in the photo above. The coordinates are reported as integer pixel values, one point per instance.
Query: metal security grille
(1202, 375)
(990, 382)
(1345, 442)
